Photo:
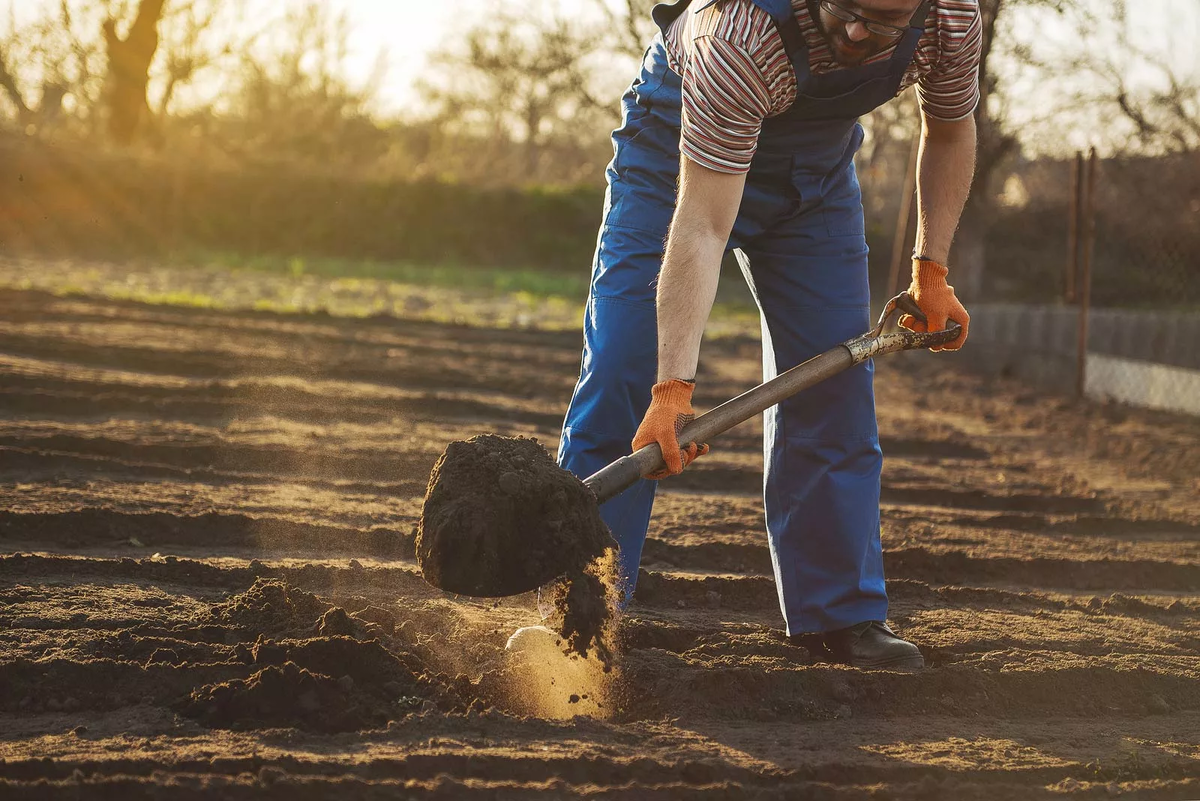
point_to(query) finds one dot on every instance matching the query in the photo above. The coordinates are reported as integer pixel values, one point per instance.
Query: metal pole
(1085, 277)
(1073, 228)
(903, 218)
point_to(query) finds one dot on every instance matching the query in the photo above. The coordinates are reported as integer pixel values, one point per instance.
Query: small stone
(1158, 705)
(574, 699)
(843, 712)
(355, 564)
(335, 623)
(682, 604)
(713, 599)
(79, 731)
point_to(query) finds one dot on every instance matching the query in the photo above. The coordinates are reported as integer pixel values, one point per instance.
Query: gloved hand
(670, 410)
(936, 298)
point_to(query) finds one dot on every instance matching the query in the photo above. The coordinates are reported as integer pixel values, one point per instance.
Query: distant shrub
(66, 202)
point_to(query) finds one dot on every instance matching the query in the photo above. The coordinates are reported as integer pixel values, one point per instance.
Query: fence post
(1073, 228)
(1085, 276)
(903, 218)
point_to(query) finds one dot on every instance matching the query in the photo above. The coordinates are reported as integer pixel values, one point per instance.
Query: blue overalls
(801, 243)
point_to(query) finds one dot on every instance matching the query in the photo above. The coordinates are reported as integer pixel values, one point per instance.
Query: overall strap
(789, 31)
(920, 15)
(912, 36)
(664, 14)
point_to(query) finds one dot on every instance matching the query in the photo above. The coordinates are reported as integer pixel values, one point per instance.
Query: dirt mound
(286, 695)
(326, 684)
(501, 518)
(274, 608)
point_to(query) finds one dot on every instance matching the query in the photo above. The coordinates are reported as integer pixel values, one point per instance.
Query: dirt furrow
(1044, 554)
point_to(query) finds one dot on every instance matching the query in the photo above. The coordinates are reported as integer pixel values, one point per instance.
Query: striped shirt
(736, 72)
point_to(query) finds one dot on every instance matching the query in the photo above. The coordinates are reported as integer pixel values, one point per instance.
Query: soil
(208, 587)
(501, 518)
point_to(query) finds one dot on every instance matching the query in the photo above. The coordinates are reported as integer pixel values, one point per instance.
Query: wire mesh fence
(1100, 264)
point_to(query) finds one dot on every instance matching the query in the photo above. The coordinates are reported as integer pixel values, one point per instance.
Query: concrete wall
(1141, 357)
(1154, 386)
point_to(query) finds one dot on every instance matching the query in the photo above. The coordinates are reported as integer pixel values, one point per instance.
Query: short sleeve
(950, 91)
(725, 100)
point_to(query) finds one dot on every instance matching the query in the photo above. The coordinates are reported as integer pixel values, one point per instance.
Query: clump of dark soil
(326, 684)
(271, 607)
(501, 518)
(286, 695)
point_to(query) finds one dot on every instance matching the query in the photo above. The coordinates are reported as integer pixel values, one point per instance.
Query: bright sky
(409, 29)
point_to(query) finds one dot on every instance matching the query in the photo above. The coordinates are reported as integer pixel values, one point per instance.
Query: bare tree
(41, 54)
(1149, 104)
(517, 79)
(197, 36)
(293, 99)
(627, 24)
(129, 59)
(8, 83)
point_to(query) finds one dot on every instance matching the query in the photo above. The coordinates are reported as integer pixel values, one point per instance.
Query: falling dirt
(584, 605)
(207, 587)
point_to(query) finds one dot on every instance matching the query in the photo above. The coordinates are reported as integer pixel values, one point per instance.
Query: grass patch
(487, 297)
(540, 283)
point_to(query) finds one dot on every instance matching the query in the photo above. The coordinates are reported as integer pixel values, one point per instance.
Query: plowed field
(207, 590)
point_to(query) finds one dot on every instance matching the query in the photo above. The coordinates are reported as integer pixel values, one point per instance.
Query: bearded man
(740, 133)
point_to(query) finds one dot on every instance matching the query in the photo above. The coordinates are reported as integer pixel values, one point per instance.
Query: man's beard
(848, 53)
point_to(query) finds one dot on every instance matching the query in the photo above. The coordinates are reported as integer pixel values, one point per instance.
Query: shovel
(886, 337)
(470, 547)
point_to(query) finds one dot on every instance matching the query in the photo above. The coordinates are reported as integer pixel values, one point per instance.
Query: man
(750, 108)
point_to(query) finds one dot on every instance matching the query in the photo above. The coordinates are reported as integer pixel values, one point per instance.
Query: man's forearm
(687, 285)
(945, 168)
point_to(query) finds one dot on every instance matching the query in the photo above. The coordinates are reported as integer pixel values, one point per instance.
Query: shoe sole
(910, 664)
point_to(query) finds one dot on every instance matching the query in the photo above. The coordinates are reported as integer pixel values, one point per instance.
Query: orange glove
(936, 298)
(670, 410)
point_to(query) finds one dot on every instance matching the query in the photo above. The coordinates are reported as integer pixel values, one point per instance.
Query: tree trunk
(9, 84)
(129, 70)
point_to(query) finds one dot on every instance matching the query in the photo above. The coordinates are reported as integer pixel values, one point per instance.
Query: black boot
(873, 645)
